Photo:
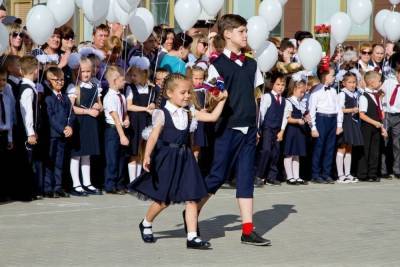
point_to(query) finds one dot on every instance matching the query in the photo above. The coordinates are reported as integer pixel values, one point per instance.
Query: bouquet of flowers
(323, 36)
(213, 90)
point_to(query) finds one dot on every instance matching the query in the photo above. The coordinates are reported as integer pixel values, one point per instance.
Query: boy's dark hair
(56, 71)
(3, 7)
(3, 71)
(395, 62)
(182, 39)
(275, 75)
(301, 35)
(101, 27)
(227, 22)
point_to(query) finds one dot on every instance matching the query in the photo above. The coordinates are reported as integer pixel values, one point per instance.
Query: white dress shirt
(179, 117)
(265, 104)
(142, 90)
(326, 102)
(27, 108)
(363, 104)
(259, 80)
(112, 103)
(71, 89)
(388, 88)
(9, 108)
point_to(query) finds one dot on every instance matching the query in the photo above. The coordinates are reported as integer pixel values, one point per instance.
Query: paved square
(315, 225)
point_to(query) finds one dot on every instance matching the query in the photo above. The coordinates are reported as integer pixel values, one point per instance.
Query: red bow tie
(235, 57)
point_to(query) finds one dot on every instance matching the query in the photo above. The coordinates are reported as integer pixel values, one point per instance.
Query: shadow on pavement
(216, 227)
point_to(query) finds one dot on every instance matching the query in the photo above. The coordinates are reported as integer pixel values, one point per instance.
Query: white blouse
(179, 117)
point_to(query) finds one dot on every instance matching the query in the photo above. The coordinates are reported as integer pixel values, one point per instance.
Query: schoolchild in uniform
(85, 98)
(351, 136)
(28, 128)
(141, 98)
(272, 126)
(116, 141)
(7, 113)
(236, 131)
(61, 118)
(173, 175)
(326, 119)
(371, 116)
(295, 133)
(14, 73)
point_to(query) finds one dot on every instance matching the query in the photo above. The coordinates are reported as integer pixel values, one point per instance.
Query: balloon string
(126, 52)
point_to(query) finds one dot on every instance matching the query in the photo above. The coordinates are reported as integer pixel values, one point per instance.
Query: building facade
(297, 15)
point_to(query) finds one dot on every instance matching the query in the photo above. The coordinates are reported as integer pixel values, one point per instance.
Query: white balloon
(111, 13)
(271, 10)
(360, 10)
(79, 3)
(212, 7)
(94, 10)
(283, 2)
(3, 38)
(257, 32)
(100, 20)
(40, 24)
(121, 15)
(394, 2)
(340, 26)
(267, 56)
(391, 26)
(380, 20)
(187, 13)
(142, 24)
(1, 2)
(128, 5)
(62, 10)
(310, 53)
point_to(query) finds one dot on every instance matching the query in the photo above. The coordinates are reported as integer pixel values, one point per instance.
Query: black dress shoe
(49, 195)
(291, 181)
(329, 180)
(397, 176)
(185, 225)
(273, 182)
(76, 193)
(61, 193)
(255, 240)
(91, 191)
(197, 243)
(301, 182)
(318, 181)
(37, 197)
(258, 182)
(147, 238)
(120, 192)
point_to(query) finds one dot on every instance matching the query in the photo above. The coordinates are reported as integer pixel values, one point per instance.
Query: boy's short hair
(229, 22)
(55, 71)
(369, 76)
(11, 59)
(3, 71)
(28, 64)
(162, 70)
(111, 71)
(101, 27)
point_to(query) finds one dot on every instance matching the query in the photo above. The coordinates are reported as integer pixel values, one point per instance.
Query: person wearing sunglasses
(16, 45)
(365, 57)
(198, 49)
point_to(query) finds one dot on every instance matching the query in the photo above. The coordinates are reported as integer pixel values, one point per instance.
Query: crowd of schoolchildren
(75, 120)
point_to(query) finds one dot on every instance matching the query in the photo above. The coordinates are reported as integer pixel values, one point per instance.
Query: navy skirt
(295, 141)
(86, 137)
(351, 131)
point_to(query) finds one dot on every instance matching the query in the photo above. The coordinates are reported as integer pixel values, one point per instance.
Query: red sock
(247, 228)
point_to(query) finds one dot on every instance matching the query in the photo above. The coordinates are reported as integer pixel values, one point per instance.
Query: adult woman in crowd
(198, 49)
(16, 35)
(174, 60)
(50, 51)
(365, 56)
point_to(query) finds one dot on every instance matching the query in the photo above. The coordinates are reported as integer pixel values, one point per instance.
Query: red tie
(278, 99)
(235, 57)
(394, 95)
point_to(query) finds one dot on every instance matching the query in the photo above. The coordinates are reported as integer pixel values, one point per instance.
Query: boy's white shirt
(26, 106)
(259, 80)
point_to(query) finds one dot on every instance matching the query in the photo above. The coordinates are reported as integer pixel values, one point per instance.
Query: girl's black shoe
(147, 238)
(76, 193)
(197, 243)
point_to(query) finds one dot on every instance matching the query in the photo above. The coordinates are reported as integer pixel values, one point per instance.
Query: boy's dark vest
(240, 108)
(35, 108)
(274, 116)
(372, 112)
(14, 87)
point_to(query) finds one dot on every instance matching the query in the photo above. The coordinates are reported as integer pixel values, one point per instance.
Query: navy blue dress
(199, 136)
(351, 125)
(139, 120)
(175, 176)
(86, 129)
(295, 136)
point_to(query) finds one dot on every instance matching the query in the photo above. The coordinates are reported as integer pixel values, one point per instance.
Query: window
(160, 10)
(20, 8)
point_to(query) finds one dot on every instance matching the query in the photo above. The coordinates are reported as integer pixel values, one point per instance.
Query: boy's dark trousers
(369, 160)
(268, 156)
(116, 160)
(324, 147)
(5, 180)
(54, 165)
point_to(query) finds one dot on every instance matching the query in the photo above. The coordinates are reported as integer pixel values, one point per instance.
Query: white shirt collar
(14, 79)
(112, 91)
(369, 90)
(172, 108)
(228, 52)
(274, 93)
(56, 93)
(28, 82)
(348, 92)
(295, 99)
(87, 85)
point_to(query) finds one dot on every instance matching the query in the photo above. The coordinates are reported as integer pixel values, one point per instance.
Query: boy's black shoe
(61, 193)
(255, 240)
(49, 195)
(273, 182)
(318, 181)
(397, 176)
(329, 180)
(147, 238)
(185, 226)
(197, 243)
(258, 182)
